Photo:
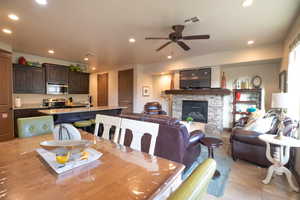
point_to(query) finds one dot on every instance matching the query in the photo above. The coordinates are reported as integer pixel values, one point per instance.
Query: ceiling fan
(177, 37)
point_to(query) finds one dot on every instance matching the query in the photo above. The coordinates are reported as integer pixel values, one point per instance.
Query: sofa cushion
(249, 137)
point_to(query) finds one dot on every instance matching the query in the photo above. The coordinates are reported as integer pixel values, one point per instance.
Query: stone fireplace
(198, 104)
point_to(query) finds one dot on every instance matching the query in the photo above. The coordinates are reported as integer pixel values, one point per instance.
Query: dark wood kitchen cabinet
(29, 79)
(57, 74)
(79, 83)
(6, 115)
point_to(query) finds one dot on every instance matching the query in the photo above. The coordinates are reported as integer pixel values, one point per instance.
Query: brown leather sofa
(173, 142)
(245, 144)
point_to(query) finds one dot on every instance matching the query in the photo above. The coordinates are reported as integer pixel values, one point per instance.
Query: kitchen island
(71, 115)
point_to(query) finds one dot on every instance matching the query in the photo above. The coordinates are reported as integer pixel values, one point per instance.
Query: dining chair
(108, 122)
(195, 186)
(33, 126)
(138, 129)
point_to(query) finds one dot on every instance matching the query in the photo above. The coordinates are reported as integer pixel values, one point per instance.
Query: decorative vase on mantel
(172, 81)
(223, 81)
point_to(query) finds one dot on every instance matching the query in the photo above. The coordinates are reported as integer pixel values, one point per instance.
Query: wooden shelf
(241, 113)
(247, 90)
(246, 102)
(256, 92)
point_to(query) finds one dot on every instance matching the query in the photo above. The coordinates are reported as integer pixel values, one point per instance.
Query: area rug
(216, 187)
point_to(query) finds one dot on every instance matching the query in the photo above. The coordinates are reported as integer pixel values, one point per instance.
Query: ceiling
(75, 27)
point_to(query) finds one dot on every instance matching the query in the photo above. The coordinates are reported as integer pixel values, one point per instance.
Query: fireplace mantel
(207, 91)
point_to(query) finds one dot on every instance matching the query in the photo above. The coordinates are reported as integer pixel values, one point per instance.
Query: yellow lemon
(63, 159)
(84, 155)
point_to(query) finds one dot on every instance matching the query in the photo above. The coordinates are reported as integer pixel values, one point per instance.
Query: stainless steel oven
(57, 88)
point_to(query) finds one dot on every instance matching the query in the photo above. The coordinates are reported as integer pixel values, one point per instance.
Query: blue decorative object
(252, 109)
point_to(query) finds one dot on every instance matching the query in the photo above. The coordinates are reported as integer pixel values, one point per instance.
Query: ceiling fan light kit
(177, 37)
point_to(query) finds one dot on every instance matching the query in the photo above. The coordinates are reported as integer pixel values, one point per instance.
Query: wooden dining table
(120, 173)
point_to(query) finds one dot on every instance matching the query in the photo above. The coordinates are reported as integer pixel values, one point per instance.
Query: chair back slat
(108, 122)
(139, 129)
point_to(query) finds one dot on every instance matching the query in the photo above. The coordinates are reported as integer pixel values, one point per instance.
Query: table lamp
(280, 101)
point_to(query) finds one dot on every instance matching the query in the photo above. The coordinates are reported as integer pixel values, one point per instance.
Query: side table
(280, 158)
(212, 143)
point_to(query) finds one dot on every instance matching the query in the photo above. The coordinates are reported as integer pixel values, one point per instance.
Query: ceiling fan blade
(195, 37)
(183, 45)
(163, 46)
(156, 38)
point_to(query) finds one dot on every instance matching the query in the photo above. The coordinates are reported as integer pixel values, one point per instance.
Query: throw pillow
(261, 125)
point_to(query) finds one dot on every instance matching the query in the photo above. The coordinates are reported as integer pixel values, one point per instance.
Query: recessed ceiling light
(94, 68)
(247, 3)
(86, 59)
(132, 40)
(13, 17)
(7, 31)
(42, 2)
(250, 42)
(51, 51)
(169, 57)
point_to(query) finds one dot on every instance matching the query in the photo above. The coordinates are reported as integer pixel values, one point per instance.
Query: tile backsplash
(38, 98)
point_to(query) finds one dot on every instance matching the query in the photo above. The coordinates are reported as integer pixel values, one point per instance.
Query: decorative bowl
(73, 146)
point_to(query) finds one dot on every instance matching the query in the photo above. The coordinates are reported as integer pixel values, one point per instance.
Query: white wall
(249, 54)
(5, 47)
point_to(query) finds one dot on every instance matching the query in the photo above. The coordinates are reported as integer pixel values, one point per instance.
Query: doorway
(125, 89)
(102, 89)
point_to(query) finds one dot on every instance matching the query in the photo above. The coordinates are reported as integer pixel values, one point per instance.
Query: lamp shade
(280, 100)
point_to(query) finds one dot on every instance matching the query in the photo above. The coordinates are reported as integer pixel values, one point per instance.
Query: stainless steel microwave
(57, 88)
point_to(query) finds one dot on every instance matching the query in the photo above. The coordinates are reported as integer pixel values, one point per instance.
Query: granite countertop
(40, 106)
(78, 110)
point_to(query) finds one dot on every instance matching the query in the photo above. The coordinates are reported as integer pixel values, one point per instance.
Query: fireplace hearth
(198, 110)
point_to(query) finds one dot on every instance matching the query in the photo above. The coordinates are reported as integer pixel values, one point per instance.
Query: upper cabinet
(28, 79)
(57, 74)
(32, 80)
(78, 83)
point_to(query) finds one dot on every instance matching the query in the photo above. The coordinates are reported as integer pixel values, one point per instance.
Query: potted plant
(188, 123)
(189, 120)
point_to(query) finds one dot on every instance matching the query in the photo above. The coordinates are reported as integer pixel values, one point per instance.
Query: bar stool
(84, 125)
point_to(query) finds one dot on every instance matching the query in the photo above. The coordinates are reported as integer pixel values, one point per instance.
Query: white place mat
(50, 158)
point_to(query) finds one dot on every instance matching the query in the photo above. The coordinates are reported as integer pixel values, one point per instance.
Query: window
(294, 83)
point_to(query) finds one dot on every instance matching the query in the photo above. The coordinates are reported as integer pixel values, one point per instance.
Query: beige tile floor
(244, 182)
